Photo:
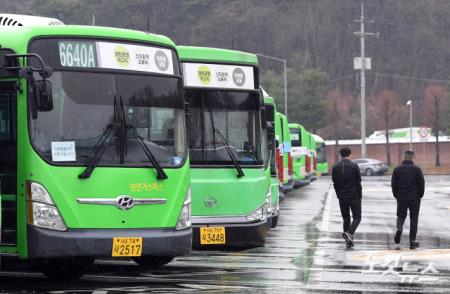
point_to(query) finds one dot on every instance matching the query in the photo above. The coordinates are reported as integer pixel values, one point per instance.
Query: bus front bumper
(289, 186)
(236, 234)
(44, 243)
(301, 182)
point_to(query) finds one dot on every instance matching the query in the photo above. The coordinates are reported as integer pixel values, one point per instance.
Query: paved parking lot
(305, 253)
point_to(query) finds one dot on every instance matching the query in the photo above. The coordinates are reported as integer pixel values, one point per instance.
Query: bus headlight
(261, 212)
(47, 216)
(42, 211)
(184, 221)
(269, 206)
(258, 214)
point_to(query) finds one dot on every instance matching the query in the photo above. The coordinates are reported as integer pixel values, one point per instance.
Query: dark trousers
(354, 205)
(402, 211)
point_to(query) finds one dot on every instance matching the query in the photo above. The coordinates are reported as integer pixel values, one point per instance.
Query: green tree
(273, 83)
(306, 95)
(309, 107)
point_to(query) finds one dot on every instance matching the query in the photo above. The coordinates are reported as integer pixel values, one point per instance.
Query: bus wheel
(274, 221)
(153, 261)
(64, 268)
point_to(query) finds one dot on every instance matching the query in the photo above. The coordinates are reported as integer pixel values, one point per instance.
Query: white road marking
(388, 189)
(324, 227)
(325, 224)
(406, 254)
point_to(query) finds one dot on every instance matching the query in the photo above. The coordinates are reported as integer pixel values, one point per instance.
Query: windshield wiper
(230, 153)
(120, 128)
(100, 147)
(123, 131)
(99, 150)
(160, 171)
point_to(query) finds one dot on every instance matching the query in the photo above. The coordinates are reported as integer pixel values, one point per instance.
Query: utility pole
(364, 65)
(284, 77)
(285, 88)
(409, 103)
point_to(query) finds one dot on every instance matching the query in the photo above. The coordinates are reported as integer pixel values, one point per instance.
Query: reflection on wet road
(305, 253)
(375, 264)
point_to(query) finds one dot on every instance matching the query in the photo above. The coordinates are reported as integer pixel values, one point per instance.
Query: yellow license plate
(131, 246)
(212, 235)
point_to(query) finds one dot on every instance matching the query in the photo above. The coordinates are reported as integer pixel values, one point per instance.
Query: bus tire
(274, 221)
(153, 261)
(64, 268)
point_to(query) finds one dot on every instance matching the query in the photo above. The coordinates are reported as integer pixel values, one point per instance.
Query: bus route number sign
(78, 54)
(127, 246)
(212, 235)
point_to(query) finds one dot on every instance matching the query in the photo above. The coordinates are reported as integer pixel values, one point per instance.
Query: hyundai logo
(124, 202)
(210, 202)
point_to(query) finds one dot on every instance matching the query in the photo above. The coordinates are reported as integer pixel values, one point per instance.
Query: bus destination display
(111, 55)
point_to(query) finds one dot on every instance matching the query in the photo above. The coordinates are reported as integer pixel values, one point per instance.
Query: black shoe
(413, 245)
(398, 237)
(348, 239)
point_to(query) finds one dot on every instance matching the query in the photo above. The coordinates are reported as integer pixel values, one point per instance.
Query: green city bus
(228, 152)
(279, 155)
(321, 151)
(288, 179)
(272, 141)
(300, 154)
(313, 156)
(93, 161)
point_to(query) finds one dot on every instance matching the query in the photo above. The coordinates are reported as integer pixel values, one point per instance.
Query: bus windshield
(83, 108)
(321, 153)
(270, 117)
(296, 137)
(235, 115)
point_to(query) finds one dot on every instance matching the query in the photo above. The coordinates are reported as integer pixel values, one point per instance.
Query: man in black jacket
(408, 186)
(347, 184)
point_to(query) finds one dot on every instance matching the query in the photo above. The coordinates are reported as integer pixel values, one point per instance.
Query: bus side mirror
(43, 95)
(271, 145)
(187, 108)
(270, 129)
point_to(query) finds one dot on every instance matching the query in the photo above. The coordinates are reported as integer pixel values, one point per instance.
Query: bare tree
(338, 117)
(435, 106)
(386, 109)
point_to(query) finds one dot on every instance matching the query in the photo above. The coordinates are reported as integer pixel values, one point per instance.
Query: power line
(392, 76)
(411, 78)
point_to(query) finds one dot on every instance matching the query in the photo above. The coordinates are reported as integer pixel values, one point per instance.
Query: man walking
(347, 184)
(408, 186)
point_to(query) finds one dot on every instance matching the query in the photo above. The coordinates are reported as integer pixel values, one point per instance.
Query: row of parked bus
(298, 156)
(119, 143)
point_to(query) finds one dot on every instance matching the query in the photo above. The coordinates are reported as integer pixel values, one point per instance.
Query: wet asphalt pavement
(304, 254)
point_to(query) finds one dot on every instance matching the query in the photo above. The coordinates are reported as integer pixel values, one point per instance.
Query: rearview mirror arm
(44, 71)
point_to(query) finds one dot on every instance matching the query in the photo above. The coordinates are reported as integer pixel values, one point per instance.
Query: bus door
(8, 162)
